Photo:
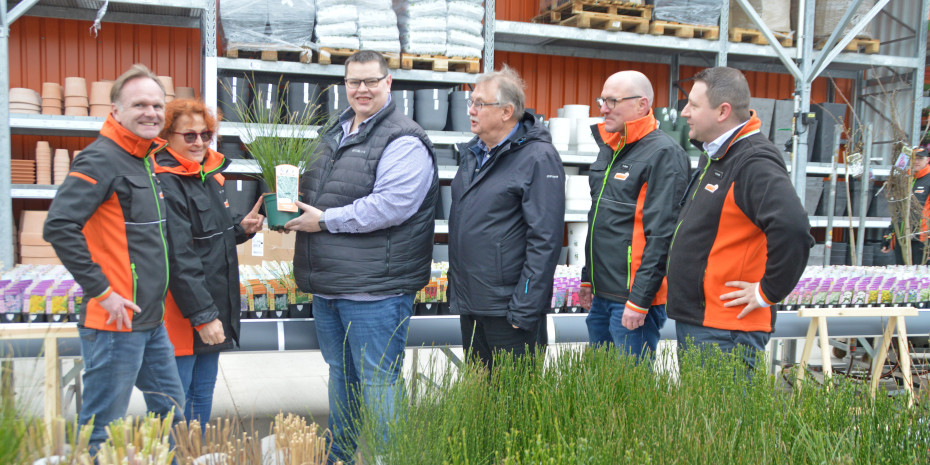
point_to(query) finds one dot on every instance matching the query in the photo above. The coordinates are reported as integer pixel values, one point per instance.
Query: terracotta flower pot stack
(23, 171)
(52, 103)
(76, 102)
(184, 92)
(100, 98)
(168, 83)
(23, 100)
(43, 163)
(61, 165)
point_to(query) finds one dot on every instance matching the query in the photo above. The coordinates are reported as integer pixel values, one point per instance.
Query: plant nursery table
(49, 334)
(895, 315)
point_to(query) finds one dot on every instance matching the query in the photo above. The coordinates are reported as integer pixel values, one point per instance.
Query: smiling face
(703, 119)
(188, 123)
(141, 108)
(366, 101)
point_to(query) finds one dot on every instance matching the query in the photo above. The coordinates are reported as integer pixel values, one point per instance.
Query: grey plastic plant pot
(230, 90)
(458, 111)
(431, 108)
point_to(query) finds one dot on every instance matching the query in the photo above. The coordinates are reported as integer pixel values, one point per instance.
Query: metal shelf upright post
(173, 13)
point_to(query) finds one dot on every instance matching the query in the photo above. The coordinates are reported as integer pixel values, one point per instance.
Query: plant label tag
(903, 161)
(258, 245)
(286, 178)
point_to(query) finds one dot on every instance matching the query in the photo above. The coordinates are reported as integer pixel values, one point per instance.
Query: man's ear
(508, 112)
(724, 111)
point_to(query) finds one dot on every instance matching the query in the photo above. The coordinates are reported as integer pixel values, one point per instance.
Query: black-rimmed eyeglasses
(369, 83)
(190, 137)
(612, 102)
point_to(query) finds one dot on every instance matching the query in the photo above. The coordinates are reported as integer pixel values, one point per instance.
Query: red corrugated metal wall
(553, 81)
(48, 50)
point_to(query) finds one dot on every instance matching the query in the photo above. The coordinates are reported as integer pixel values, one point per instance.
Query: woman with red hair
(202, 307)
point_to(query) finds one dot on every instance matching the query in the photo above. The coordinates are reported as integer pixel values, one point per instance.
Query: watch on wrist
(323, 224)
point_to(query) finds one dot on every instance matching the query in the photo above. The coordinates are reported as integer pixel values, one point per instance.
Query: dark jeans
(605, 326)
(702, 337)
(483, 335)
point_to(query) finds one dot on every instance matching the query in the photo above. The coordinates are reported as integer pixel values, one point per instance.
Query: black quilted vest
(389, 261)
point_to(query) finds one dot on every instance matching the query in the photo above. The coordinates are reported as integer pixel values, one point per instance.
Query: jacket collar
(135, 145)
(529, 129)
(923, 172)
(178, 165)
(750, 128)
(632, 131)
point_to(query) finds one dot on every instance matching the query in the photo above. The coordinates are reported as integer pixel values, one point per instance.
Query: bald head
(634, 82)
(623, 86)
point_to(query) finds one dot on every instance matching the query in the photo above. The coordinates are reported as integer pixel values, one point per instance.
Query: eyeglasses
(612, 102)
(480, 105)
(369, 83)
(190, 137)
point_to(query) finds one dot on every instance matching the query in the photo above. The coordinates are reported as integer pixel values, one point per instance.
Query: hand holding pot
(252, 223)
(308, 221)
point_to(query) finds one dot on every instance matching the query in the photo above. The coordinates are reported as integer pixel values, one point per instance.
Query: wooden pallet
(562, 12)
(338, 56)
(607, 22)
(753, 36)
(863, 45)
(689, 31)
(268, 52)
(440, 63)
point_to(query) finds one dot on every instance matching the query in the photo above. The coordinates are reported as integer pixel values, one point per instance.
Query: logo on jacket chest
(624, 172)
(711, 188)
(919, 190)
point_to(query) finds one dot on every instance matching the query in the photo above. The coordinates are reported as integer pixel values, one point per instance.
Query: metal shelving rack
(803, 62)
(499, 35)
(177, 13)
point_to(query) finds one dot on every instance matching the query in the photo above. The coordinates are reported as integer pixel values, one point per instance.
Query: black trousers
(484, 335)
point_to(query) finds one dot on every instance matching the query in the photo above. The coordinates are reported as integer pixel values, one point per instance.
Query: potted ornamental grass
(283, 144)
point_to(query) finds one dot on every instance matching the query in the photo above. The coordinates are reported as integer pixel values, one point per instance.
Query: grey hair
(509, 88)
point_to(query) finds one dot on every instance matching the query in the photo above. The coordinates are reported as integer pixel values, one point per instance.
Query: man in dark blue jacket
(506, 222)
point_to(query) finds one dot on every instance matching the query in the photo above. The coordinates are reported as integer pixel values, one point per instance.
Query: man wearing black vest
(364, 246)
(506, 222)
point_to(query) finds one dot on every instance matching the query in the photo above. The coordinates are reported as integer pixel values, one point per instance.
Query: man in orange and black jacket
(920, 188)
(636, 182)
(107, 225)
(743, 237)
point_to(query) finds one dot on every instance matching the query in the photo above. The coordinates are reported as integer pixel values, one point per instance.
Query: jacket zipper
(329, 171)
(594, 218)
(629, 266)
(675, 234)
(161, 230)
(204, 174)
(135, 281)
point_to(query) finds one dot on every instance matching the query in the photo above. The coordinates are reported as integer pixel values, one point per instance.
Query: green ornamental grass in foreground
(577, 406)
(586, 406)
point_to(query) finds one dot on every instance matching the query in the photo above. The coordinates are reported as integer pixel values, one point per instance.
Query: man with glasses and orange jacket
(636, 181)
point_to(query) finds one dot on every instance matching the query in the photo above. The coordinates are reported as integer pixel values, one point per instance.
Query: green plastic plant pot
(276, 219)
